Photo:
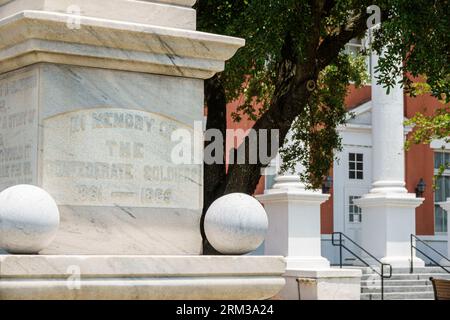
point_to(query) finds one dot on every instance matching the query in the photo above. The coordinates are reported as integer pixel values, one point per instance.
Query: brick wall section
(326, 213)
(420, 164)
(244, 124)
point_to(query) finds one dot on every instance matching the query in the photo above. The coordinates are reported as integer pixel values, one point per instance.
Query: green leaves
(314, 133)
(417, 33)
(428, 128)
(413, 32)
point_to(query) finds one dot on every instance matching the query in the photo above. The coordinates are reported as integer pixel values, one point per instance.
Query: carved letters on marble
(116, 157)
(18, 129)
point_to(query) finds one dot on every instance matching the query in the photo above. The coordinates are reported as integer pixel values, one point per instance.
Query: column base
(388, 220)
(316, 263)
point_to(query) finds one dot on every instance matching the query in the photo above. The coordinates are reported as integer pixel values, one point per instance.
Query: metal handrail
(382, 265)
(414, 237)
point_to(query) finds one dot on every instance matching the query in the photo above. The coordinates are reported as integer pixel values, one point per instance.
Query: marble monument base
(322, 284)
(44, 277)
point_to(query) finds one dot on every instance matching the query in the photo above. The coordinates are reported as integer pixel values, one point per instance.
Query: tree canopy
(294, 72)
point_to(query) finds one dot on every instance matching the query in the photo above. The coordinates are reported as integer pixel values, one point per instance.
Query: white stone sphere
(236, 224)
(29, 219)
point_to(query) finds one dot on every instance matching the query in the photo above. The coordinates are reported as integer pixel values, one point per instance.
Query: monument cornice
(31, 37)
(184, 3)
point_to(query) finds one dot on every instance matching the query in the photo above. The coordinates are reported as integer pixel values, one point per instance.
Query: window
(442, 191)
(354, 212)
(356, 166)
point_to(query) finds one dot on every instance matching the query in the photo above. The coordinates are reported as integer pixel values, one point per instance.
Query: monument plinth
(88, 114)
(91, 93)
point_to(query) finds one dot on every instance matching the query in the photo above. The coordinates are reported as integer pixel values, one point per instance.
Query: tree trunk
(214, 174)
(291, 96)
(287, 103)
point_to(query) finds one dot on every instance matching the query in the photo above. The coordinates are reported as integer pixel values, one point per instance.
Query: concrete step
(422, 270)
(427, 270)
(399, 296)
(372, 282)
(397, 289)
(409, 276)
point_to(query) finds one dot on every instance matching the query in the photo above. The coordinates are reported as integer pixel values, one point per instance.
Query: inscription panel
(18, 128)
(117, 157)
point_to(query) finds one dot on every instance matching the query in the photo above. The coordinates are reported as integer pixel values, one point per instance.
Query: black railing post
(340, 250)
(381, 272)
(411, 263)
(382, 282)
(414, 249)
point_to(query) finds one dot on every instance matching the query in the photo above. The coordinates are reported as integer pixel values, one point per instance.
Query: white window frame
(358, 211)
(446, 173)
(356, 170)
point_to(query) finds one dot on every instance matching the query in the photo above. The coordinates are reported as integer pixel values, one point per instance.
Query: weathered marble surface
(30, 37)
(153, 208)
(140, 277)
(66, 88)
(324, 284)
(146, 12)
(18, 128)
(127, 230)
(185, 3)
(137, 68)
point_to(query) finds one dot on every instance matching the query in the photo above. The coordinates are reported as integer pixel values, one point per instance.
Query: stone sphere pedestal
(236, 224)
(29, 219)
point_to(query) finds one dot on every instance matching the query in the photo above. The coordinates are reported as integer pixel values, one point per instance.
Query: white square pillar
(294, 223)
(294, 232)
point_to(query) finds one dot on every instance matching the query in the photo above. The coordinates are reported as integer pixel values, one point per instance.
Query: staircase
(403, 285)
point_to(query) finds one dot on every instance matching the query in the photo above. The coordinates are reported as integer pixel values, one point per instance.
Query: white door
(352, 224)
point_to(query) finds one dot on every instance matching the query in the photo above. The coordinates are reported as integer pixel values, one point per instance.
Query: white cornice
(360, 128)
(34, 36)
(363, 108)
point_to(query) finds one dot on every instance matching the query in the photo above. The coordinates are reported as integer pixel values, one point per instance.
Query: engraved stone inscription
(18, 128)
(117, 157)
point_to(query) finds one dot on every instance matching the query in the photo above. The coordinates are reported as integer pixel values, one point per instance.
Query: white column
(446, 207)
(294, 223)
(294, 232)
(388, 209)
